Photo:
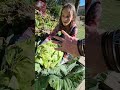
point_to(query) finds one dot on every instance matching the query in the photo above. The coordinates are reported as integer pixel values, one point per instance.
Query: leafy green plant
(55, 10)
(44, 24)
(49, 73)
(54, 7)
(14, 14)
(62, 77)
(17, 65)
(47, 56)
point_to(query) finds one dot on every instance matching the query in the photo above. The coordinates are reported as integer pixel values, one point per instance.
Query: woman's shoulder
(74, 24)
(73, 27)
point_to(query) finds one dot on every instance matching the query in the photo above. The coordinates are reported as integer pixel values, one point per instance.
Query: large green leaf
(41, 83)
(21, 66)
(63, 77)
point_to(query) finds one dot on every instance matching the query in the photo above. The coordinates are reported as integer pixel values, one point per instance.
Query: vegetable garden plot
(16, 62)
(49, 73)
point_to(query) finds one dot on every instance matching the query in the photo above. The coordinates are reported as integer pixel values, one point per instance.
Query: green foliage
(18, 8)
(83, 12)
(81, 32)
(49, 73)
(44, 24)
(62, 77)
(47, 56)
(54, 7)
(17, 65)
(14, 14)
(55, 10)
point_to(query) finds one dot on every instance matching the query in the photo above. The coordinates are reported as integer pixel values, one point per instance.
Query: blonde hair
(71, 7)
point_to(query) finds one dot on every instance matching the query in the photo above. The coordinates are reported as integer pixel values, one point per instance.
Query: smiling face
(67, 16)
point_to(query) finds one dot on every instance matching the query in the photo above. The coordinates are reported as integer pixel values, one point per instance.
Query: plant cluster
(44, 24)
(14, 14)
(17, 64)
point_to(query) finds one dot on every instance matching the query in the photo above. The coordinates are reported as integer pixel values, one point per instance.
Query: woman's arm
(74, 32)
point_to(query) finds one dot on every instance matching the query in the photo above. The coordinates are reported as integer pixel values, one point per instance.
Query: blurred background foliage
(14, 14)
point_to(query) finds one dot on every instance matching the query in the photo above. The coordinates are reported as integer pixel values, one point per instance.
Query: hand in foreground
(67, 44)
